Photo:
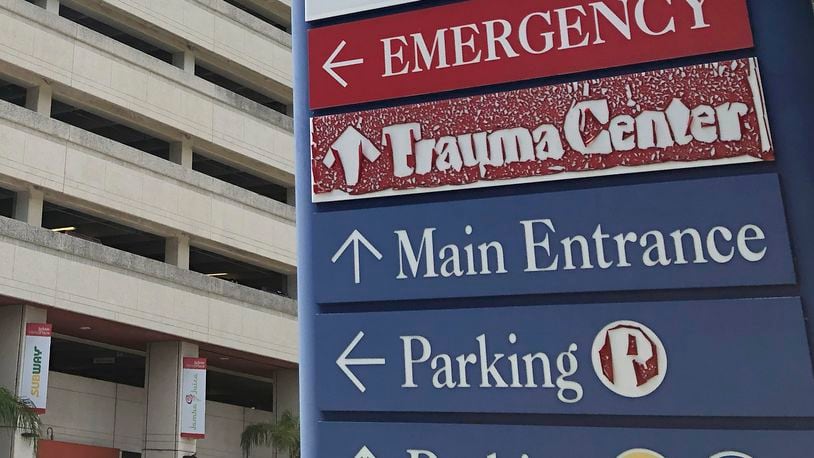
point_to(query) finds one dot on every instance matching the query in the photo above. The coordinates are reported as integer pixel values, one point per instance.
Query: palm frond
(19, 414)
(282, 435)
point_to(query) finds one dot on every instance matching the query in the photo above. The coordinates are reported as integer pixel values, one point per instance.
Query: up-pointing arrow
(331, 64)
(349, 146)
(356, 238)
(345, 363)
(365, 453)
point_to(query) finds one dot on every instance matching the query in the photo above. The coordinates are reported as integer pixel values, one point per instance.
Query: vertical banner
(34, 380)
(193, 401)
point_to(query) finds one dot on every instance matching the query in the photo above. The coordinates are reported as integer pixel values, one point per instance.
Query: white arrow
(330, 64)
(344, 362)
(365, 453)
(356, 238)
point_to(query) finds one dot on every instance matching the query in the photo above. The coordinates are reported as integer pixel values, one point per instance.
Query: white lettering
(531, 246)
(548, 37)
(566, 27)
(493, 39)
(641, 20)
(391, 56)
(622, 25)
(461, 45)
(439, 46)
(698, 13)
(751, 233)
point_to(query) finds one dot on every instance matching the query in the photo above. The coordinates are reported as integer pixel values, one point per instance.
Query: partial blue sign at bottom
(375, 440)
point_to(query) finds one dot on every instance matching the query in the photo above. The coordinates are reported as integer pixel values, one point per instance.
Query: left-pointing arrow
(344, 362)
(331, 64)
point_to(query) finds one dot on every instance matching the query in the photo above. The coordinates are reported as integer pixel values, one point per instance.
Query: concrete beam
(69, 273)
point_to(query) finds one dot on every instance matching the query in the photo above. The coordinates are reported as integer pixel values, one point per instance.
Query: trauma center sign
(36, 360)
(482, 42)
(707, 114)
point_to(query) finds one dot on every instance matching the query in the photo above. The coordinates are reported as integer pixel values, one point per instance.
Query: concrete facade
(49, 276)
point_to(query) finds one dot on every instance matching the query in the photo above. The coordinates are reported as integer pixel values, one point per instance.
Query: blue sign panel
(712, 358)
(690, 234)
(369, 440)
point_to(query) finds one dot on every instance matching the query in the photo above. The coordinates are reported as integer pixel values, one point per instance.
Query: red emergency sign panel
(481, 42)
(708, 114)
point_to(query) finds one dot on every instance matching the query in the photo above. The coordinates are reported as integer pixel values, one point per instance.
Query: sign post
(560, 228)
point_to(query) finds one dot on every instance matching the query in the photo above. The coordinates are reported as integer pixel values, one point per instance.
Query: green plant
(19, 414)
(282, 435)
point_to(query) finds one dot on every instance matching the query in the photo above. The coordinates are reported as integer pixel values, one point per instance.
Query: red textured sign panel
(708, 114)
(482, 42)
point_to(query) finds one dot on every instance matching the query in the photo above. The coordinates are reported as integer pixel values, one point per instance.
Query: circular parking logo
(640, 453)
(629, 359)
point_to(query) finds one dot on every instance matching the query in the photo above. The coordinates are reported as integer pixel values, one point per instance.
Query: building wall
(88, 67)
(155, 195)
(104, 414)
(218, 31)
(78, 169)
(45, 160)
(70, 273)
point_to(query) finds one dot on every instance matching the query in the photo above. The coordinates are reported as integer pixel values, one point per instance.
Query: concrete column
(49, 5)
(291, 285)
(28, 206)
(287, 382)
(287, 396)
(177, 251)
(39, 98)
(181, 153)
(13, 319)
(163, 388)
(185, 60)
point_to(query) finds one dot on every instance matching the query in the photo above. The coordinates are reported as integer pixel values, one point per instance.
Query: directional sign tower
(563, 228)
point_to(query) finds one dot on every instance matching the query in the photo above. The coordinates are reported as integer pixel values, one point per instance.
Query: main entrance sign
(383, 440)
(691, 358)
(482, 42)
(689, 234)
(710, 114)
